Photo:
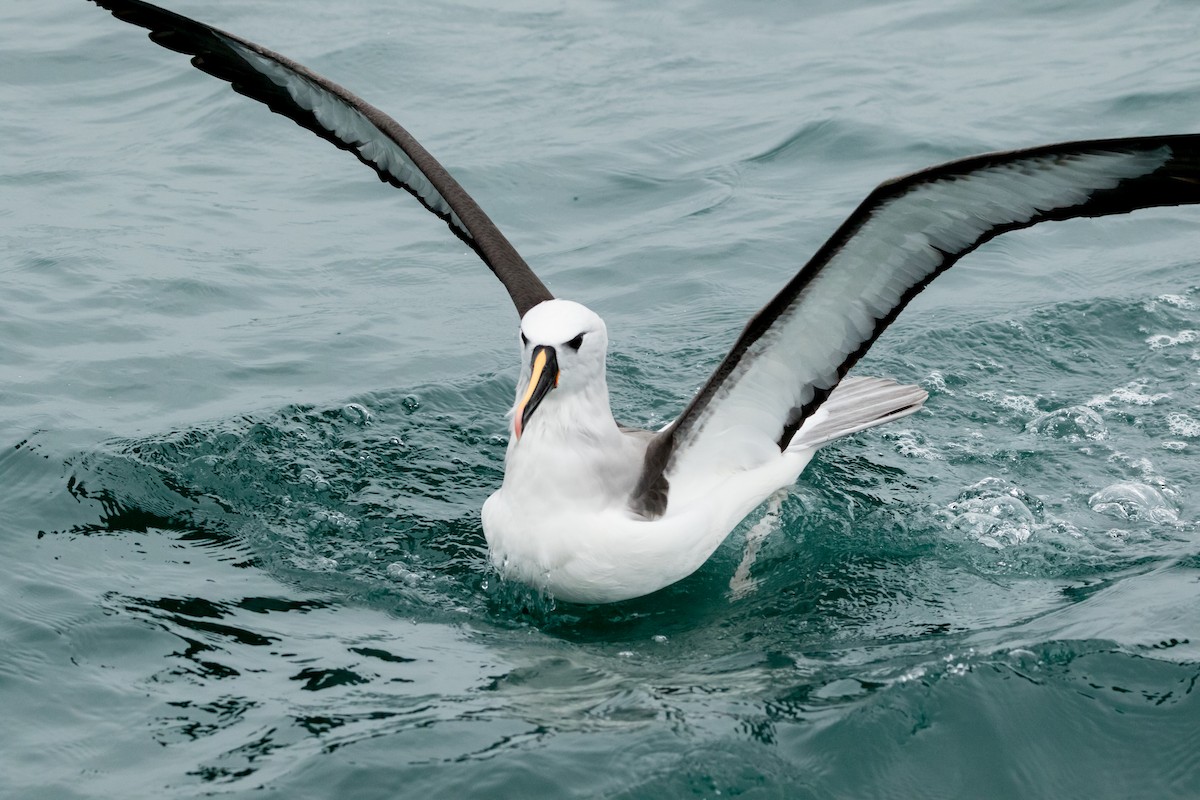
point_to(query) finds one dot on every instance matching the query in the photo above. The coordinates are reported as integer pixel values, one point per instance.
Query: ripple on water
(166, 637)
(326, 493)
(880, 587)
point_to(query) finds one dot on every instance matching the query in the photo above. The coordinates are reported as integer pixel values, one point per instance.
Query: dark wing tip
(270, 78)
(1094, 178)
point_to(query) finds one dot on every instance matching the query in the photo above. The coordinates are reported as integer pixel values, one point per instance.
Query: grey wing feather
(794, 351)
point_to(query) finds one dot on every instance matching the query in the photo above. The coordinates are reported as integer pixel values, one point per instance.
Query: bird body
(594, 512)
(602, 554)
(562, 520)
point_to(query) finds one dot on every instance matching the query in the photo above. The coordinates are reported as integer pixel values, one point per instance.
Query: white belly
(602, 556)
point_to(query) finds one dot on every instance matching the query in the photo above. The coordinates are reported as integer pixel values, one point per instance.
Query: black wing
(907, 232)
(347, 121)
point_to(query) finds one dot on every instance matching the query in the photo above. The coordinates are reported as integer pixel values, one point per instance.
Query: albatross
(591, 511)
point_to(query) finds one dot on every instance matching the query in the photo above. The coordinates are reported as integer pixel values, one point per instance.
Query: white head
(563, 347)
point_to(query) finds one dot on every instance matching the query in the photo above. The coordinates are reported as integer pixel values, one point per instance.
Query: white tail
(855, 405)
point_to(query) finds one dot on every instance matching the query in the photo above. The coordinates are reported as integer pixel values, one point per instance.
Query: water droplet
(1162, 341)
(912, 444)
(659, 638)
(324, 564)
(936, 382)
(1183, 425)
(356, 413)
(396, 440)
(1134, 393)
(331, 521)
(411, 403)
(1018, 403)
(312, 477)
(1072, 423)
(1132, 500)
(995, 513)
(1179, 301)
(403, 574)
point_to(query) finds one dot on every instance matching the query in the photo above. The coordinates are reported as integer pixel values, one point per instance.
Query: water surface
(251, 400)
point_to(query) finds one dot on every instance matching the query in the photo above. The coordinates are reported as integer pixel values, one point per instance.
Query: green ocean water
(251, 400)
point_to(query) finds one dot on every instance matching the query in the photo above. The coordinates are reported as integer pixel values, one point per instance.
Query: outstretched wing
(907, 232)
(347, 121)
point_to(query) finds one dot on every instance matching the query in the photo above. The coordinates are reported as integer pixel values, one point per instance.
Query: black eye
(576, 343)
(524, 339)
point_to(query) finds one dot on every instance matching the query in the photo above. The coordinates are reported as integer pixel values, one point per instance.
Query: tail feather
(855, 405)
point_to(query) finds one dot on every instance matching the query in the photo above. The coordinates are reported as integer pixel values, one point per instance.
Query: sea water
(251, 400)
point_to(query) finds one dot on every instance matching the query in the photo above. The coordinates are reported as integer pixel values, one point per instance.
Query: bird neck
(571, 448)
(571, 418)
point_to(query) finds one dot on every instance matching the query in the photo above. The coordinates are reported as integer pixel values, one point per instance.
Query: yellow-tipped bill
(543, 376)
